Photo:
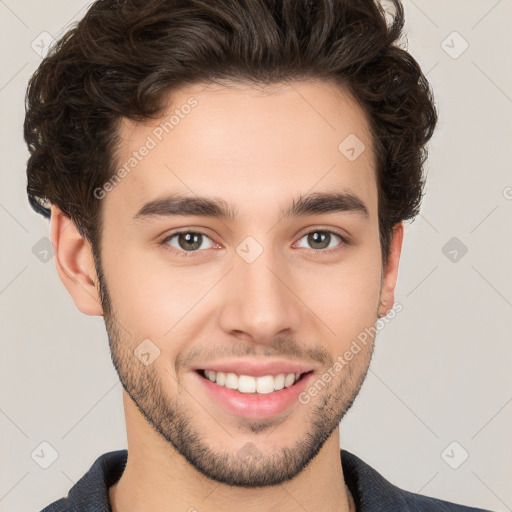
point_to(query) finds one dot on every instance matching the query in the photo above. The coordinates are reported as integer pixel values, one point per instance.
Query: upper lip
(255, 368)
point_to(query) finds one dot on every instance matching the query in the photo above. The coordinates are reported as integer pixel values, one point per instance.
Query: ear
(75, 263)
(390, 273)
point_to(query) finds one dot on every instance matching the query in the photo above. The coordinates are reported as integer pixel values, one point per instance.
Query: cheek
(150, 297)
(346, 296)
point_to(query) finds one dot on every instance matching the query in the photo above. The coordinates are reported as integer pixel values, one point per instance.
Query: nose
(261, 302)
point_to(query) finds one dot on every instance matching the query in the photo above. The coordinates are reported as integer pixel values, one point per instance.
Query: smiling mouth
(248, 384)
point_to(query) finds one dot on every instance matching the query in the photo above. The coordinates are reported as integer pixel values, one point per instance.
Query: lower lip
(253, 405)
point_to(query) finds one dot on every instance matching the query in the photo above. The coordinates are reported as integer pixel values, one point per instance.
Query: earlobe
(390, 273)
(75, 263)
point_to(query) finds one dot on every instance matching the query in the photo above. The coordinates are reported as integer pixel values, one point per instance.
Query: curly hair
(125, 57)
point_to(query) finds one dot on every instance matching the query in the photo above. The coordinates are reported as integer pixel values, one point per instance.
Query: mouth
(250, 384)
(257, 394)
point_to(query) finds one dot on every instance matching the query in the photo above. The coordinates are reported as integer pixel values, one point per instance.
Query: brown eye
(320, 240)
(187, 241)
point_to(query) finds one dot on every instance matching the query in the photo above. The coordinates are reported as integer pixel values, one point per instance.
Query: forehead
(252, 146)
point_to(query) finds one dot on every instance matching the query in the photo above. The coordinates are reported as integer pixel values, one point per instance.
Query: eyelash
(188, 254)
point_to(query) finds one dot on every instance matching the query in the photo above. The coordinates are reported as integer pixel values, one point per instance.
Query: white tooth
(278, 381)
(265, 384)
(289, 380)
(246, 384)
(231, 381)
(221, 378)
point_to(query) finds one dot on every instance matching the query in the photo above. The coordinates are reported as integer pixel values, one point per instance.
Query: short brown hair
(125, 56)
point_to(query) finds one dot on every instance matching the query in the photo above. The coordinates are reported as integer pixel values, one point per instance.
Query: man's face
(257, 295)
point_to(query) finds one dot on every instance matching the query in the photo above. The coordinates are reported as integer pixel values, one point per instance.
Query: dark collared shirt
(370, 490)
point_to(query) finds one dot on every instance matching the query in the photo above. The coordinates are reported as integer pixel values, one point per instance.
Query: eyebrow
(310, 204)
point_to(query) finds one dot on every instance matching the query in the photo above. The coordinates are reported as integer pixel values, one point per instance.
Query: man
(227, 183)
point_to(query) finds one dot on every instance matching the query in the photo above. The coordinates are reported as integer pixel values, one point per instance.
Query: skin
(257, 149)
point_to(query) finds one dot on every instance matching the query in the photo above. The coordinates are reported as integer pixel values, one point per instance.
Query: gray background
(441, 372)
